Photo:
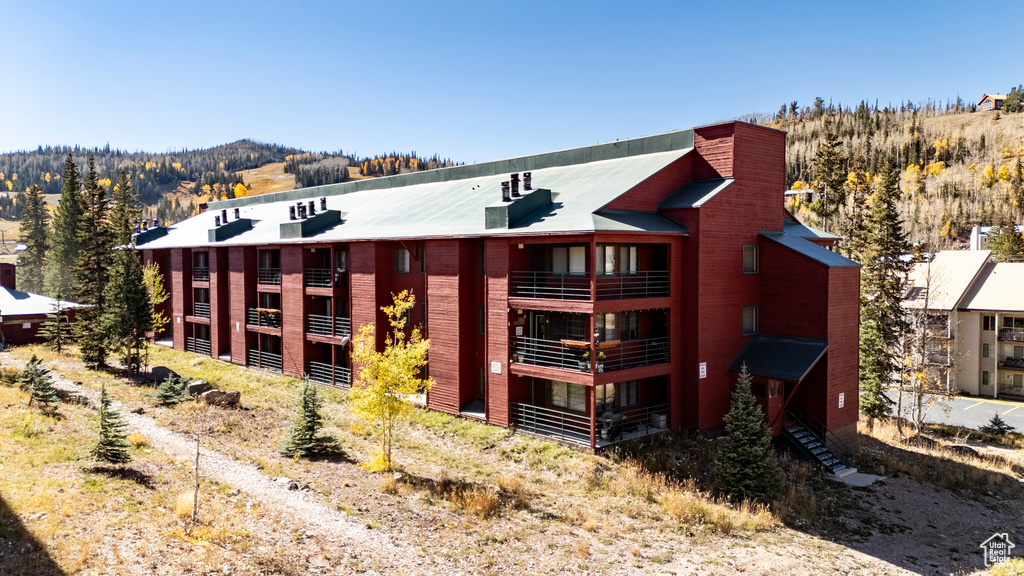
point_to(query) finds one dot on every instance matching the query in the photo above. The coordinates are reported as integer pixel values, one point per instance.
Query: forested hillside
(959, 167)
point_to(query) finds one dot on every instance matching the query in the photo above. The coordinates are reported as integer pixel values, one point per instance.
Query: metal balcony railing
(549, 285)
(197, 345)
(938, 359)
(201, 309)
(552, 353)
(1012, 334)
(318, 277)
(553, 423)
(1011, 363)
(257, 317)
(327, 375)
(328, 326)
(200, 273)
(634, 353)
(647, 284)
(265, 360)
(269, 276)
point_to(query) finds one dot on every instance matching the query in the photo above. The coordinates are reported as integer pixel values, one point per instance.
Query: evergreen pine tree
(304, 438)
(125, 212)
(997, 426)
(173, 390)
(1005, 242)
(128, 314)
(55, 331)
(829, 180)
(65, 247)
(873, 376)
(745, 466)
(34, 232)
(93, 270)
(36, 381)
(113, 444)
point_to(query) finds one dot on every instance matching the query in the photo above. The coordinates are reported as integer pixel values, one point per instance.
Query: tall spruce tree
(112, 446)
(745, 465)
(829, 180)
(1005, 242)
(56, 331)
(125, 212)
(128, 314)
(93, 270)
(883, 281)
(62, 259)
(34, 233)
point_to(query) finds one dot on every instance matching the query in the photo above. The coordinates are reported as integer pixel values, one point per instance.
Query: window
(629, 325)
(988, 322)
(750, 320)
(604, 398)
(483, 321)
(629, 393)
(985, 378)
(483, 262)
(423, 315)
(569, 260)
(423, 260)
(401, 261)
(611, 259)
(985, 351)
(340, 261)
(750, 259)
(604, 324)
(569, 396)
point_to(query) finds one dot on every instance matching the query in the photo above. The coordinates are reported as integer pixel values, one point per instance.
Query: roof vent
(224, 215)
(236, 214)
(312, 208)
(515, 185)
(323, 203)
(527, 181)
(156, 223)
(505, 197)
(216, 221)
(137, 229)
(291, 212)
(141, 226)
(302, 211)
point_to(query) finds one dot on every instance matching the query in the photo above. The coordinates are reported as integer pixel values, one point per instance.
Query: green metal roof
(810, 249)
(695, 194)
(780, 357)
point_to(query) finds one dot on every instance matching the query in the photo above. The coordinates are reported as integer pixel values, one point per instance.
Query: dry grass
(1012, 567)
(183, 505)
(267, 179)
(138, 440)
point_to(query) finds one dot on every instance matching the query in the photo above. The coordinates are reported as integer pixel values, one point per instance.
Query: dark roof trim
(780, 357)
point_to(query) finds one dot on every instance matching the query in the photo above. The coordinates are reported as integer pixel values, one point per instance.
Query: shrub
(172, 391)
(138, 440)
(997, 426)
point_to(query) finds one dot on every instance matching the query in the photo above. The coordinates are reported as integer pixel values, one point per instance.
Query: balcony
(1011, 334)
(327, 375)
(634, 353)
(555, 354)
(328, 326)
(201, 309)
(651, 284)
(200, 273)
(263, 317)
(573, 428)
(938, 359)
(318, 277)
(1011, 363)
(550, 353)
(269, 276)
(549, 285)
(197, 345)
(265, 360)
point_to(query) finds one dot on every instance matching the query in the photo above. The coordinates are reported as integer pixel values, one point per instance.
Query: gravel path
(375, 548)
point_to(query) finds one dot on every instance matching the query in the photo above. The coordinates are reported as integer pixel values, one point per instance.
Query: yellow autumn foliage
(798, 185)
(988, 176)
(241, 191)
(935, 168)
(1004, 173)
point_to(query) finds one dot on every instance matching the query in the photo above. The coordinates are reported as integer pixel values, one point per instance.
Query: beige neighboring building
(973, 311)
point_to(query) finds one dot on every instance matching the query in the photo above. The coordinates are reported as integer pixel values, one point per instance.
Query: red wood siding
(178, 279)
(443, 322)
(497, 395)
(843, 350)
(293, 320)
(646, 195)
(362, 266)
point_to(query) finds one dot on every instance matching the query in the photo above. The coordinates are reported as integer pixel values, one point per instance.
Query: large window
(604, 398)
(749, 320)
(614, 258)
(750, 264)
(569, 396)
(604, 324)
(629, 393)
(988, 322)
(569, 260)
(401, 261)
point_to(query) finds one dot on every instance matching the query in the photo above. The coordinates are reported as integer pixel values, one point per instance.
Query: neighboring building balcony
(328, 326)
(197, 345)
(265, 360)
(263, 318)
(201, 309)
(200, 273)
(318, 278)
(556, 286)
(938, 359)
(327, 375)
(569, 355)
(1011, 334)
(269, 276)
(574, 428)
(1011, 363)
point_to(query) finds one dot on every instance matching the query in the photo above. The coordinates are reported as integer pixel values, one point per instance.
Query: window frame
(402, 258)
(755, 267)
(754, 319)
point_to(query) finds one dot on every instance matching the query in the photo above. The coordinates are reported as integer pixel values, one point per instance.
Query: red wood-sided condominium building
(588, 295)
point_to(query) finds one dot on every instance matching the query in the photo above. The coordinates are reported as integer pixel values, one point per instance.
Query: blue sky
(473, 81)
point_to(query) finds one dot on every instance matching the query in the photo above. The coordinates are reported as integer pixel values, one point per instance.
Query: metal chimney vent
(291, 212)
(323, 203)
(224, 216)
(505, 197)
(236, 214)
(515, 185)
(527, 181)
(216, 221)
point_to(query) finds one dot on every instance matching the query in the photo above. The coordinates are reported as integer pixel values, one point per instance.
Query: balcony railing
(328, 326)
(201, 309)
(553, 423)
(337, 376)
(648, 284)
(1012, 334)
(549, 353)
(634, 353)
(200, 273)
(270, 276)
(632, 423)
(258, 317)
(1011, 363)
(265, 360)
(197, 345)
(939, 359)
(318, 277)
(549, 285)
